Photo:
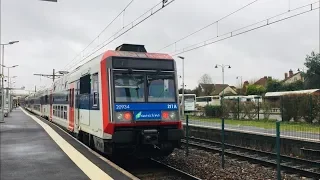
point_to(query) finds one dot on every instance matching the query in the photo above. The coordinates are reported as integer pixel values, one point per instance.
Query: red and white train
(122, 101)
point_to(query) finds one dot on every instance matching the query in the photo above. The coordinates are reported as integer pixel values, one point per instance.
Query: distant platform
(302, 136)
(37, 150)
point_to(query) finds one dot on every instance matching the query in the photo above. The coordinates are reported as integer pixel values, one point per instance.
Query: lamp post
(2, 79)
(8, 90)
(222, 118)
(182, 99)
(2, 105)
(240, 77)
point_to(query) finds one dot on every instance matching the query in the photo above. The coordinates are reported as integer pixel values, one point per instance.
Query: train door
(84, 99)
(50, 104)
(71, 109)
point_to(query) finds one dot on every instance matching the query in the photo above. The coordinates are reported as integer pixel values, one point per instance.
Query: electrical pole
(182, 99)
(51, 76)
(53, 73)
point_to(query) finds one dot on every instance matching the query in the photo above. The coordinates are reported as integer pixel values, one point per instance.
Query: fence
(300, 116)
(275, 141)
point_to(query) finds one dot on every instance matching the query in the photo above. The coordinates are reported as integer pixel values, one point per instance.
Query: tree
(274, 85)
(255, 89)
(205, 86)
(295, 86)
(312, 76)
(205, 79)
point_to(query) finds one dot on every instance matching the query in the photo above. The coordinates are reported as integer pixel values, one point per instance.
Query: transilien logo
(138, 115)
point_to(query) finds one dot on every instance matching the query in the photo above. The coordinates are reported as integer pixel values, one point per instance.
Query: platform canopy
(282, 93)
(20, 92)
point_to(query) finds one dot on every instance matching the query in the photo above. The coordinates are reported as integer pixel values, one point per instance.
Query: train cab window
(95, 87)
(85, 84)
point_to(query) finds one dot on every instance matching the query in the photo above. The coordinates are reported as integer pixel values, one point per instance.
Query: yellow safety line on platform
(90, 169)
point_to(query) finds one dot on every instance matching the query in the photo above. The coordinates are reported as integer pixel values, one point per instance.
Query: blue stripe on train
(145, 106)
(82, 101)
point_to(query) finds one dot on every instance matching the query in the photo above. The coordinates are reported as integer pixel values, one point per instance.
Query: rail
(303, 167)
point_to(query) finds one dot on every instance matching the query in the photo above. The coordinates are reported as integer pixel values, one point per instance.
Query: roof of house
(207, 86)
(262, 81)
(277, 94)
(218, 88)
(234, 88)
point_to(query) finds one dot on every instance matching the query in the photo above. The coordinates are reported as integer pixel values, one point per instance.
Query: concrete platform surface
(28, 152)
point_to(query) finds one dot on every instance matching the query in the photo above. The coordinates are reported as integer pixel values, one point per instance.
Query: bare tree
(206, 85)
(205, 79)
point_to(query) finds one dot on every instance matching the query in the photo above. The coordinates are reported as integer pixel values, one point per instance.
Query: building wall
(294, 78)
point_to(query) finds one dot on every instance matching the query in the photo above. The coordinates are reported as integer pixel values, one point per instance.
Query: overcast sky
(52, 34)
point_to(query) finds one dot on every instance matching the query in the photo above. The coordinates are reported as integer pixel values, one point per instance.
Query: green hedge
(213, 111)
(301, 108)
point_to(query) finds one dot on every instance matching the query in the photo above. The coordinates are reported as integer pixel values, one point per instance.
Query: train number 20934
(122, 106)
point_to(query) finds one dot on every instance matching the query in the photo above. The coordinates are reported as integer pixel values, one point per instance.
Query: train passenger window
(95, 98)
(95, 84)
(85, 84)
(61, 111)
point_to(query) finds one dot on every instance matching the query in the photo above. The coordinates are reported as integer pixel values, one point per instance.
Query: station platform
(35, 149)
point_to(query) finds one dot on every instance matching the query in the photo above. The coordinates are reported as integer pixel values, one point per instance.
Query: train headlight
(123, 116)
(169, 115)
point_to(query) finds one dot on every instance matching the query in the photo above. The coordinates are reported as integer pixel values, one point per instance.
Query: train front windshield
(144, 87)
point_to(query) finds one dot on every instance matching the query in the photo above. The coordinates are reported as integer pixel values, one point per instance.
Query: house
(292, 77)
(216, 89)
(263, 81)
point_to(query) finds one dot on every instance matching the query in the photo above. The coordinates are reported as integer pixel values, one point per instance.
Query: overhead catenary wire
(205, 27)
(152, 11)
(104, 29)
(234, 33)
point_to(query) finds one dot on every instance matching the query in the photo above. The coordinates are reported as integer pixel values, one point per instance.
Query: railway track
(146, 168)
(153, 169)
(303, 167)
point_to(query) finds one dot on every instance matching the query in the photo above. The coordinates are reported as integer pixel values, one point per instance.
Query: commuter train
(124, 101)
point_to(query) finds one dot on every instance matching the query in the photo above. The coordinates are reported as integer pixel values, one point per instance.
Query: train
(122, 102)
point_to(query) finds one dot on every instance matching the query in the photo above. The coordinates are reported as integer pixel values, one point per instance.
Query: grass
(266, 124)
